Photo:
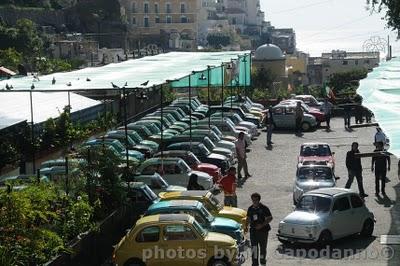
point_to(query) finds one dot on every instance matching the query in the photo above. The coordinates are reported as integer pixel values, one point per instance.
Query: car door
(341, 223)
(278, 115)
(290, 119)
(359, 212)
(174, 175)
(181, 245)
(146, 242)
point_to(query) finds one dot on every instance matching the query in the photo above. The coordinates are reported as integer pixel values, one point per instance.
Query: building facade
(321, 68)
(170, 24)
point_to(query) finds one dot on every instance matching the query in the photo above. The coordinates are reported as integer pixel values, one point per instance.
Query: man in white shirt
(241, 155)
(380, 137)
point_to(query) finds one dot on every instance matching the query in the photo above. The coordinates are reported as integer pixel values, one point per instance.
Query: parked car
(245, 116)
(248, 109)
(203, 154)
(138, 139)
(117, 145)
(140, 197)
(316, 152)
(120, 135)
(238, 121)
(122, 157)
(284, 117)
(310, 177)
(324, 215)
(214, 137)
(175, 171)
(319, 116)
(309, 100)
(157, 183)
(212, 204)
(203, 217)
(172, 232)
(193, 162)
(246, 99)
(216, 130)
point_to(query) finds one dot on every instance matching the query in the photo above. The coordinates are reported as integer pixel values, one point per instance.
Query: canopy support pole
(126, 129)
(222, 90)
(32, 134)
(208, 93)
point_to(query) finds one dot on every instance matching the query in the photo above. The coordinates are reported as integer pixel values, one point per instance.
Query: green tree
(219, 39)
(391, 9)
(262, 78)
(345, 80)
(10, 58)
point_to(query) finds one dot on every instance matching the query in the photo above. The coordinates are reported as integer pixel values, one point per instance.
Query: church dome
(268, 52)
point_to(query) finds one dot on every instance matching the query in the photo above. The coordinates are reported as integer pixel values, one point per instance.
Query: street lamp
(32, 130)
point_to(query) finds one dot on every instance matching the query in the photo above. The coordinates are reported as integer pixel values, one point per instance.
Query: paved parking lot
(273, 173)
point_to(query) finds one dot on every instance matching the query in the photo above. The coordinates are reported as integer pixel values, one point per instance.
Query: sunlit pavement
(273, 172)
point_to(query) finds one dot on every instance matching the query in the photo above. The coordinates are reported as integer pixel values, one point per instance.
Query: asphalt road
(273, 172)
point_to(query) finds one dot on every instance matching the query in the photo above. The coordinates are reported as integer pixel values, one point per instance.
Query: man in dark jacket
(381, 163)
(354, 169)
(270, 125)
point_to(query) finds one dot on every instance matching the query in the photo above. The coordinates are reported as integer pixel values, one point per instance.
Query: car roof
(316, 165)
(188, 193)
(158, 159)
(314, 143)
(164, 218)
(331, 191)
(174, 204)
(185, 144)
(172, 152)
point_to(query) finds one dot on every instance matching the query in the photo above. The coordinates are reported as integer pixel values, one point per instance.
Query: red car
(319, 116)
(194, 162)
(316, 153)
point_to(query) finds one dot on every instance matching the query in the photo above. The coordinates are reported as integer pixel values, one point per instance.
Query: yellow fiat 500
(210, 202)
(174, 239)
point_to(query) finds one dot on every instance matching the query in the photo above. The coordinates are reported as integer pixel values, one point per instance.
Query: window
(169, 19)
(289, 110)
(341, 204)
(278, 111)
(356, 201)
(146, 22)
(366, 61)
(156, 8)
(137, 196)
(233, 21)
(178, 232)
(149, 170)
(184, 20)
(146, 7)
(133, 20)
(356, 62)
(168, 8)
(157, 19)
(149, 234)
(345, 62)
(183, 8)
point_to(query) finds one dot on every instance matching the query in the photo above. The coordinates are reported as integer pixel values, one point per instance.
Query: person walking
(327, 108)
(380, 163)
(241, 146)
(354, 169)
(379, 137)
(193, 185)
(259, 218)
(299, 115)
(347, 113)
(270, 125)
(228, 185)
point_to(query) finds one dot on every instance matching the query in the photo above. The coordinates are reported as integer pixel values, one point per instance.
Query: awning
(381, 94)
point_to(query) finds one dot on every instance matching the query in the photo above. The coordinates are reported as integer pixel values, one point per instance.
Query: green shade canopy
(137, 73)
(381, 94)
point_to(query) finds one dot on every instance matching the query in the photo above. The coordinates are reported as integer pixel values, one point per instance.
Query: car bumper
(295, 239)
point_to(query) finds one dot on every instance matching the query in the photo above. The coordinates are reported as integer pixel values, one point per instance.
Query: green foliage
(219, 39)
(10, 58)
(346, 80)
(56, 4)
(262, 78)
(8, 153)
(392, 9)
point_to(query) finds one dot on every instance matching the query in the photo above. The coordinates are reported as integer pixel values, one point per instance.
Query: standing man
(228, 185)
(270, 126)
(347, 112)
(326, 108)
(381, 163)
(354, 169)
(299, 115)
(259, 217)
(379, 137)
(241, 155)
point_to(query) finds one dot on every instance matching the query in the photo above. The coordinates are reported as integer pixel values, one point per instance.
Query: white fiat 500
(324, 215)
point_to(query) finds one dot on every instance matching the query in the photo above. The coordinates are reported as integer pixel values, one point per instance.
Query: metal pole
(66, 176)
(162, 113)
(69, 102)
(222, 90)
(208, 93)
(32, 135)
(126, 129)
(245, 76)
(190, 110)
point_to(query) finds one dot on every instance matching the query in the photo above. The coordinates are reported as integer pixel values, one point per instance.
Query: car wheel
(134, 262)
(324, 238)
(305, 126)
(218, 262)
(284, 242)
(368, 228)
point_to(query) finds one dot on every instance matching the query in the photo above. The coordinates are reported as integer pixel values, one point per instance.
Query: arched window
(168, 8)
(183, 8)
(133, 7)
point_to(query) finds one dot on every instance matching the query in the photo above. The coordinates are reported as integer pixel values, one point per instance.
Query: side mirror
(337, 177)
(333, 153)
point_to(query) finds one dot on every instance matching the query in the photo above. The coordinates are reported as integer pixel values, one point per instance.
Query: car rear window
(315, 150)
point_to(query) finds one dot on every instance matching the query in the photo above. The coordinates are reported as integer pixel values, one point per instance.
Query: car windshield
(184, 166)
(135, 136)
(315, 150)
(314, 173)
(230, 123)
(192, 159)
(206, 214)
(215, 202)
(199, 228)
(217, 131)
(209, 144)
(203, 149)
(118, 146)
(214, 136)
(157, 179)
(149, 193)
(305, 107)
(311, 203)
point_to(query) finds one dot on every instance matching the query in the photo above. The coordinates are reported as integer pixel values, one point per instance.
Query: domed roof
(268, 52)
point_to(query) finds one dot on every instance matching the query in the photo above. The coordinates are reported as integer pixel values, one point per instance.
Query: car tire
(134, 262)
(284, 242)
(219, 262)
(324, 238)
(305, 126)
(368, 228)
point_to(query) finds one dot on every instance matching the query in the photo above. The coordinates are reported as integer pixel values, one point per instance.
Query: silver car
(324, 215)
(310, 177)
(157, 183)
(284, 117)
